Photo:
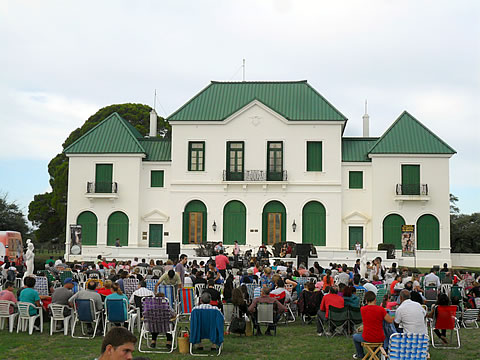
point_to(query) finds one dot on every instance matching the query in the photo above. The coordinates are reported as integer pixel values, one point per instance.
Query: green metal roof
(294, 100)
(407, 135)
(157, 149)
(355, 149)
(112, 135)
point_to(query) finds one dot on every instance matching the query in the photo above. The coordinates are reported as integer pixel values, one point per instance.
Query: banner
(75, 239)
(408, 240)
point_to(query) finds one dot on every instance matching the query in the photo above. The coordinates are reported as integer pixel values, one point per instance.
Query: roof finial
(243, 66)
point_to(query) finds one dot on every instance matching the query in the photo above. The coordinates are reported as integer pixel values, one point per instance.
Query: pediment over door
(155, 216)
(356, 217)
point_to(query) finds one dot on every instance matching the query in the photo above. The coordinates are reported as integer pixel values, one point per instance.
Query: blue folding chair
(169, 291)
(407, 346)
(85, 312)
(41, 285)
(201, 321)
(116, 311)
(151, 284)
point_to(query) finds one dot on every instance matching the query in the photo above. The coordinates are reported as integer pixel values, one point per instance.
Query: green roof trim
(112, 135)
(407, 135)
(355, 149)
(294, 100)
(157, 149)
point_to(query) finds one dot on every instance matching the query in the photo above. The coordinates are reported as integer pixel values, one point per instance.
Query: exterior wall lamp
(294, 226)
(214, 226)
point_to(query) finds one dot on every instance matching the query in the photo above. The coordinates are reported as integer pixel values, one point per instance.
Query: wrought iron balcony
(412, 189)
(102, 188)
(255, 175)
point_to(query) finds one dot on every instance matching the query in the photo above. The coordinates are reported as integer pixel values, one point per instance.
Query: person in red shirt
(331, 299)
(398, 279)
(372, 317)
(221, 262)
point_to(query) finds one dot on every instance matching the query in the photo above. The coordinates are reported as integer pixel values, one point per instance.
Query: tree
(465, 233)
(48, 211)
(454, 210)
(11, 217)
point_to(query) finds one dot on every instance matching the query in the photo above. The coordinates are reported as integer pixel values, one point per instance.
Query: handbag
(238, 325)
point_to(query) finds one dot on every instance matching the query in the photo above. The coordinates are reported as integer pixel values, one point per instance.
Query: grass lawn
(295, 341)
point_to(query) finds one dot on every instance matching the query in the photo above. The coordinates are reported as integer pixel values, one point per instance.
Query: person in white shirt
(410, 315)
(142, 291)
(280, 288)
(432, 278)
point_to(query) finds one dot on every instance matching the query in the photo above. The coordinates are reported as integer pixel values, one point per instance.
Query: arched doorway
(392, 230)
(88, 221)
(117, 228)
(234, 223)
(428, 233)
(195, 223)
(314, 224)
(273, 223)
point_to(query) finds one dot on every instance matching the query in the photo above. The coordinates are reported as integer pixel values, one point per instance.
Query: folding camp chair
(380, 286)
(169, 292)
(200, 328)
(130, 285)
(228, 311)
(41, 285)
(199, 290)
(265, 316)
(157, 316)
(26, 320)
(186, 301)
(354, 318)
(407, 346)
(431, 294)
(360, 294)
(288, 311)
(251, 289)
(151, 284)
(65, 275)
(85, 312)
(444, 319)
(116, 311)
(58, 315)
(380, 295)
(456, 291)
(373, 350)
(5, 306)
(470, 316)
(309, 304)
(337, 320)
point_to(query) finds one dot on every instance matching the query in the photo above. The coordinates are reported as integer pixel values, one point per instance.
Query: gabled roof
(355, 149)
(407, 135)
(294, 100)
(115, 135)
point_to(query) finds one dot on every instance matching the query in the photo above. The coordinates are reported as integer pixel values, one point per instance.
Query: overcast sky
(63, 60)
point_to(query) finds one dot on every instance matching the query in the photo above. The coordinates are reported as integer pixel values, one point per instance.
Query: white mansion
(259, 162)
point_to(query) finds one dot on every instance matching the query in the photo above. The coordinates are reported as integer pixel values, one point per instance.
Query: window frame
(197, 157)
(307, 169)
(151, 178)
(350, 173)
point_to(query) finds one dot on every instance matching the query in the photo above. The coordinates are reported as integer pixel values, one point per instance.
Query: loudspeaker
(173, 248)
(303, 250)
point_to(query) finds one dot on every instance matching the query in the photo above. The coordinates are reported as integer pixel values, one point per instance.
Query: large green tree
(47, 212)
(11, 217)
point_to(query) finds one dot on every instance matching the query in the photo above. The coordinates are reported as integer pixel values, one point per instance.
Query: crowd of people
(309, 292)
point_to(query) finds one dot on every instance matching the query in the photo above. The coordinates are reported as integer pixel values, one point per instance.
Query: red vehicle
(11, 245)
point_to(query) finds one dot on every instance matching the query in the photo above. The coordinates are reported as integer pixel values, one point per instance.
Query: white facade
(255, 125)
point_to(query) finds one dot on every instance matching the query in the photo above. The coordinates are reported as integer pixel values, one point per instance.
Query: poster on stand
(408, 240)
(75, 239)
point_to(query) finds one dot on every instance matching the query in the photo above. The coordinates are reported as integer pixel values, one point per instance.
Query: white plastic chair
(25, 319)
(57, 315)
(5, 314)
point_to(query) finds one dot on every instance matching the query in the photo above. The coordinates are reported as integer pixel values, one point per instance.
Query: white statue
(29, 257)
(363, 263)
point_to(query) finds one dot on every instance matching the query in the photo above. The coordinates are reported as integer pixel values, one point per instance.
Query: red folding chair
(445, 319)
(281, 299)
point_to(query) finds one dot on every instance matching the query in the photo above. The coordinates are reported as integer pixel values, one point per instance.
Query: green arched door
(428, 233)
(392, 230)
(117, 228)
(234, 223)
(195, 223)
(273, 223)
(89, 222)
(314, 224)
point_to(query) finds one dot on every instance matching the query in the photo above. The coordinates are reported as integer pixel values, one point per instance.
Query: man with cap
(61, 295)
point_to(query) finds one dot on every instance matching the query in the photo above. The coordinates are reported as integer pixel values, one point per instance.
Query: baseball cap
(68, 281)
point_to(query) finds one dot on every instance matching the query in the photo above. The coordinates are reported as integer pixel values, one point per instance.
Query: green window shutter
(411, 179)
(314, 224)
(355, 233)
(103, 178)
(428, 233)
(117, 227)
(234, 223)
(274, 161)
(392, 230)
(89, 222)
(155, 235)
(185, 227)
(355, 179)
(156, 178)
(235, 160)
(314, 156)
(196, 156)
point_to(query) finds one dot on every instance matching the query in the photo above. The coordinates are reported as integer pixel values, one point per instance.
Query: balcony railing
(102, 188)
(412, 189)
(255, 175)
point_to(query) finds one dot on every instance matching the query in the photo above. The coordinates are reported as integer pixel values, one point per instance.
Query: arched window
(195, 223)
(428, 233)
(392, 230)
(314, 224)
(89, 223)
(117, 228)
(273, 223)
(234, 223)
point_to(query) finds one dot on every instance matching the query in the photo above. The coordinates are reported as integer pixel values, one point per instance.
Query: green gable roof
(157, 149)
(355, 149)
(407, 135)
(112, 135)
(294, 100)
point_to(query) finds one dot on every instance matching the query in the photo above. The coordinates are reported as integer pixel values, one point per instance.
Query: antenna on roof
(155, 99)
(243, 66)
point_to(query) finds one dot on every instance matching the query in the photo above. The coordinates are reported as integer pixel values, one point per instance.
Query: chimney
(153, 123)
(366, 122)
